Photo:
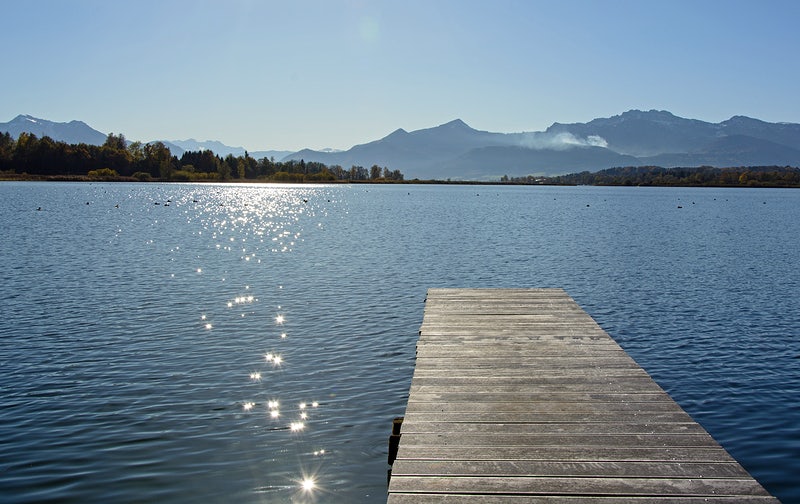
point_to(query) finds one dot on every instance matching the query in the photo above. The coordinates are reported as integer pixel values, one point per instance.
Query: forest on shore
(30, 157)
(704, 176)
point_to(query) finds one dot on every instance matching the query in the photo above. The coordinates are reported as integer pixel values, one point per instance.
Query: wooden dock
(519, 396)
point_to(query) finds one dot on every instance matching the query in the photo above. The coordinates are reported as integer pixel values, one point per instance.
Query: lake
(219, 343)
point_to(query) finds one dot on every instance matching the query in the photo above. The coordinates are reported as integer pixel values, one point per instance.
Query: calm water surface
(221, 343)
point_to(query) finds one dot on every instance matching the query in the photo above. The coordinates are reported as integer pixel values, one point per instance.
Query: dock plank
(518, 395)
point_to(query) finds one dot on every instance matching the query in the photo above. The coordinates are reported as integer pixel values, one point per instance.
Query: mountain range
(633, 138)
(75, 132)
(455, 150)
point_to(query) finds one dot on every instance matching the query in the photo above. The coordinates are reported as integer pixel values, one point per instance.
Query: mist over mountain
(455, 150)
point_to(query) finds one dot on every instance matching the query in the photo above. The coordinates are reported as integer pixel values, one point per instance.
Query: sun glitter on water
(275, 359)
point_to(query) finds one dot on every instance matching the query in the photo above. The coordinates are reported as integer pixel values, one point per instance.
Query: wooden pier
(519, 396)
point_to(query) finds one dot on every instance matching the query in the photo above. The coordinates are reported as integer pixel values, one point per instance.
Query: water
(148, 330)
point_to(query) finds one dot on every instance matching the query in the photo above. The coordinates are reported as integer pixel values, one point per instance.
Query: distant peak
(397, 133)
(26, 118)
(648, 113)
(456, 123)
(741, 119)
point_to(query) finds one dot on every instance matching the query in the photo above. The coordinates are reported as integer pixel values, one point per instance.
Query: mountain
(732, 150)
(457, 151)
(654, 132)
(417, 153)
(641, 133)
(70, 132)
(633, 138)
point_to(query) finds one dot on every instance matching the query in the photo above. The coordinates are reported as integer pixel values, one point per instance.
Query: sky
(295, 74)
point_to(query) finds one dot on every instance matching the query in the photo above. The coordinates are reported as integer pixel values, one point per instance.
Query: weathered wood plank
(588, 441)
(548, 417)
(519, 396)
(528, 397)
(554, 428)
(437, 498)
(536, 382)
(522, 349)
(471, 386)
(565, 372)
(542, 485)
(545, 407)
(563, 453)
(627, 469)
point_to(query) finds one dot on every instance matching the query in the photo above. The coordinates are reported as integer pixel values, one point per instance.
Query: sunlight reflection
(253, 225)
(241, 300)
(273, 409)
(275, 359)
(308, 486)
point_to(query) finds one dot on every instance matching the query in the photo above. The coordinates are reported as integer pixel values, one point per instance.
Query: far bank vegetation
(704, 176)
(29, 156)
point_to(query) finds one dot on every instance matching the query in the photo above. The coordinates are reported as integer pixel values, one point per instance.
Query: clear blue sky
(293, 74)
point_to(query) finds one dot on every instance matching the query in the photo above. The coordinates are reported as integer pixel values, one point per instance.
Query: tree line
(704, 176)
(119, 159)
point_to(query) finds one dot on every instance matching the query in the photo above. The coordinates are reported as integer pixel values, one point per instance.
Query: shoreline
(25, 177)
